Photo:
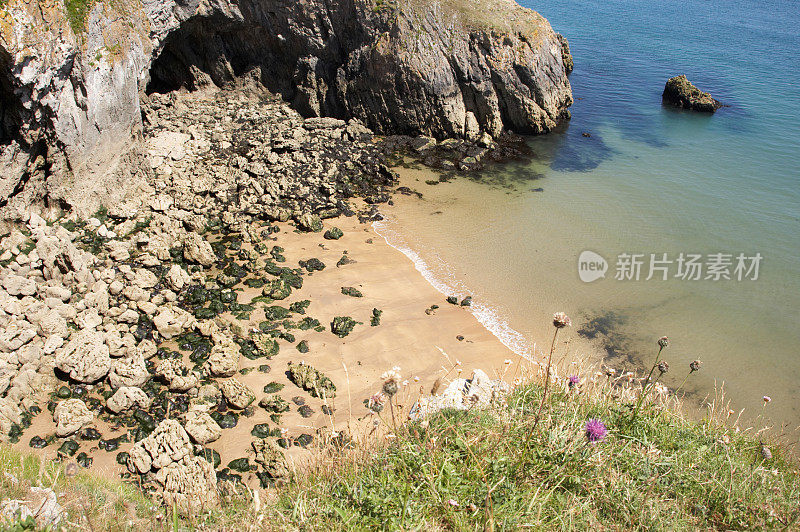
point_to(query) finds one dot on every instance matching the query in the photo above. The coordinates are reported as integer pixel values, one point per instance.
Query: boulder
(177, 277)
(126, 397)
(168, 443)
(462, 394)
(71, 415)
(223, 361)
(172, 321)
(201, 426)
(270, 457)
(16, 285)
(128, 371)
(85, 358)
(197, 249)
(236, 394)
(178, 377)
(680, 92)
(189, 484)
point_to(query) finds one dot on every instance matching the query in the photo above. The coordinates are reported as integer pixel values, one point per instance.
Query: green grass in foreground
(488, 470)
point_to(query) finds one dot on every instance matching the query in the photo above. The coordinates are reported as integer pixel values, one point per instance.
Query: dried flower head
(695, 365)
(573, 381)
(376, 403)
(663, 342)
(561, 320)
(663, 366)
(767, 399)
(391, 381)
(595, 430)
(766, 454)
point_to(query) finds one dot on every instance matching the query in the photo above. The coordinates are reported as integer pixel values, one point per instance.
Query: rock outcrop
(680, 92)
(72, 90)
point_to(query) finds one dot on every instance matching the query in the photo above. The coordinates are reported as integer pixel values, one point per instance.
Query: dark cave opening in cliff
(209, 51)
(9, 103)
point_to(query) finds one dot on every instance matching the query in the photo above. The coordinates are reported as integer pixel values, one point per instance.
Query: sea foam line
(487, 316)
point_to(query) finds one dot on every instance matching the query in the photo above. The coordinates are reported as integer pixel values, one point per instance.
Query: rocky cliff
(74, 75)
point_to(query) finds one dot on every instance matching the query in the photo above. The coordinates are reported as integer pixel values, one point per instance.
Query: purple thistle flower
(574, 380)
(595, 430)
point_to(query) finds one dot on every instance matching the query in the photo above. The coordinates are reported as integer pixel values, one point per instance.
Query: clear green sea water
(648, 179)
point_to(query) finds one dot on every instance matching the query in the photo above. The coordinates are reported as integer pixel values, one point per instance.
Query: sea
(640, 220)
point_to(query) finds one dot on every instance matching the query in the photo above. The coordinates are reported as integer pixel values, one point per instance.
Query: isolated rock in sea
(75, 84)
(71, 415)
(680, 92)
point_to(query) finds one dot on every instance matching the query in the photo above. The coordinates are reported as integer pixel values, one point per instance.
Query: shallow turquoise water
(649, 179)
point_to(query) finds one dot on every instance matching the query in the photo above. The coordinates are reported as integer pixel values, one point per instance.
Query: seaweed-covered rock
(201, 426)
(276, 312)
(351, 291)
(310, 223)
(126, 397)
(334, 233)
(303, 346)
(71, 415)
(177, 376)
(375, 320)
(312, 265)
(270, 457)
(266, 346)
(224, 358)
(236, 394)
(680, 92)
(341, 326)
(311, 380)
(86, 357)
(277, 289)
(274, 403)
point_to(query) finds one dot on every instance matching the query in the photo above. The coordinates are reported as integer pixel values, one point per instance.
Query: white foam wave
(447, 284)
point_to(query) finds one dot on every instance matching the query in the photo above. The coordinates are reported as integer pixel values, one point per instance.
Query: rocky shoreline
(135, 339)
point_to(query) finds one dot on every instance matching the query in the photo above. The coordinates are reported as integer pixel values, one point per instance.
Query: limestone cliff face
(71, 96)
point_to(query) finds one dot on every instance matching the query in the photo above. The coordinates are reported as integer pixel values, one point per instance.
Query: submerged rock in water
(680, 92)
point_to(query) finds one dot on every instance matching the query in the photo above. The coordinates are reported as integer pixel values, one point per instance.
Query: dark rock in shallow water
(680, 92)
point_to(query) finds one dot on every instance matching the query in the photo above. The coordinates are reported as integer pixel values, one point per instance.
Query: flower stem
(646, 384)
(682, 383)
(546, 380)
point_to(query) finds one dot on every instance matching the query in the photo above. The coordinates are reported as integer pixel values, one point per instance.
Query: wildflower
(574, 380)
(766, 454)
(507, 361)
(391, 380)
(376, 403)
(595, 430)
(663, 342)
(416, 379)
(561, 320)
(71, 469)
(767, 399)
(452, 502)
(695, 365)
(663, 366)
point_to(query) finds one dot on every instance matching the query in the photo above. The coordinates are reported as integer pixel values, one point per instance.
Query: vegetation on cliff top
(490, 469)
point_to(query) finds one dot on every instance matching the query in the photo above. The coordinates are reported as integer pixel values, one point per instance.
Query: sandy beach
(407, 337)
